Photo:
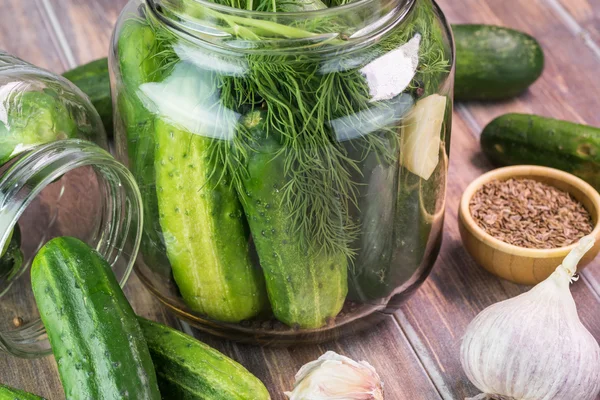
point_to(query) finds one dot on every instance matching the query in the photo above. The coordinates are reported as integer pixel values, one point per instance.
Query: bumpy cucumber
(530, 139)
(189, 369)
(8, 393)
(95, 336)
(369, 276)
(494, 62)
(306, 288)
(93, 80)
(204, 230)
(138, 63)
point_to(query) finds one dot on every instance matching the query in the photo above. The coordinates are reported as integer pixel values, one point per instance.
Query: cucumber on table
(93, 79)
(494, 63)
(189, 369)
(204, 228)
(307, 288)
(8, 393)
(95, 336)
(530, 139)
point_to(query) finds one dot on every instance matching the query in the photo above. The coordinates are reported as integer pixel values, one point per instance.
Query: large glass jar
(56, 179)
(292, 164)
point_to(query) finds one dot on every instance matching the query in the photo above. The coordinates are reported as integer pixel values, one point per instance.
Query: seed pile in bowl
(531, 214)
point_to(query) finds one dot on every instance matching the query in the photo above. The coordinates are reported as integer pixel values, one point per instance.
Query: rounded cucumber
(8, 393)
(204, 228)
(33, 118)
(494, 63)
(529, 139)
(189, 369)
(93, 79)
(95, 336)
(307, 288)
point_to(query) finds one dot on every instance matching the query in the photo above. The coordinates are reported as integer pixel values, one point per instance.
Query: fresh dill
(300, 101)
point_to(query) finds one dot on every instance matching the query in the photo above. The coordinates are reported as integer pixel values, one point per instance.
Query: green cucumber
(94, 334)
(11, 260)
(204, 229)
(307, 288)
(34, 118)
(494, 63)
(530, 139)
(189, 369)
(8, 393)
(138, 64)
(93, 79)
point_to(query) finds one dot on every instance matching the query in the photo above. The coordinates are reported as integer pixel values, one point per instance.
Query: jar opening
(245, 30)
(65, 188)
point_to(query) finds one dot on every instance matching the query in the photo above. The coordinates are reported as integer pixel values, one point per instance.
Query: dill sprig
(300, 101)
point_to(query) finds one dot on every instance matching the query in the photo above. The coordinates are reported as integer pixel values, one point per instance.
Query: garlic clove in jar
(533, 346)
(333, 376)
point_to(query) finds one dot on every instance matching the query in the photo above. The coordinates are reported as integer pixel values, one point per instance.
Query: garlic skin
(336, 377)
(533, 346)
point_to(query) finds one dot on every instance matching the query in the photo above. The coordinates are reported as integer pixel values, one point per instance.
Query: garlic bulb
(333, 377)
(533, 346)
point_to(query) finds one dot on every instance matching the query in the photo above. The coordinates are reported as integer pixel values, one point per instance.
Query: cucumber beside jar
(261, 168)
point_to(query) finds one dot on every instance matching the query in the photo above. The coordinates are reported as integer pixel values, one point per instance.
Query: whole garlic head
(533, 346)
(334, 376)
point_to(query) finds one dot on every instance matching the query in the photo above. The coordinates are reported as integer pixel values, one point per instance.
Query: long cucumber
(204, 229)
(532, 139)
(94, 334)
(138, 64)
(307, 288)
(189, 369)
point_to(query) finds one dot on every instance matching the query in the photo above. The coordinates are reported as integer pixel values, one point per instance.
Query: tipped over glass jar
(291, 155)
(56, 179)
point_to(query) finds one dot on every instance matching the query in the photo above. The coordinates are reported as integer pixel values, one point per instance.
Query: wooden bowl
(519, 264)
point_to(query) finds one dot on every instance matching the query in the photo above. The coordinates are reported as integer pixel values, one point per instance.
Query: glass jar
(292, 164)
(56, 179)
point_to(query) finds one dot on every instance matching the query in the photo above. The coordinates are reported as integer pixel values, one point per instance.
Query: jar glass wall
(56, 179)
(292, 165)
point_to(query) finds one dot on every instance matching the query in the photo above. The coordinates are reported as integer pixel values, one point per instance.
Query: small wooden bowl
(519, 264)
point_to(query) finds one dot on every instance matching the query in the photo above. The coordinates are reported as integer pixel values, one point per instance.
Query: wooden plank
(568, 86)
(385, 347)
(87, 25)
(436, 317)
(586, 14)
(26, 34)
(458, 289)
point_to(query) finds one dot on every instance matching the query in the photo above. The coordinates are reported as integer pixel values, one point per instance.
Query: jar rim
(313, 13)
(362, 21)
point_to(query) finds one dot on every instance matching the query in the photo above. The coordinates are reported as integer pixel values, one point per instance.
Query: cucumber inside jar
(285, 154)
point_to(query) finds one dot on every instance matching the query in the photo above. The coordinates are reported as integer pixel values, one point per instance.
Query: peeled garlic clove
(533, 346)
(420, 140)
(334, 376)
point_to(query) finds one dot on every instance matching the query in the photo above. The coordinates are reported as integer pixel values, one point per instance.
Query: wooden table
(417, 350)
